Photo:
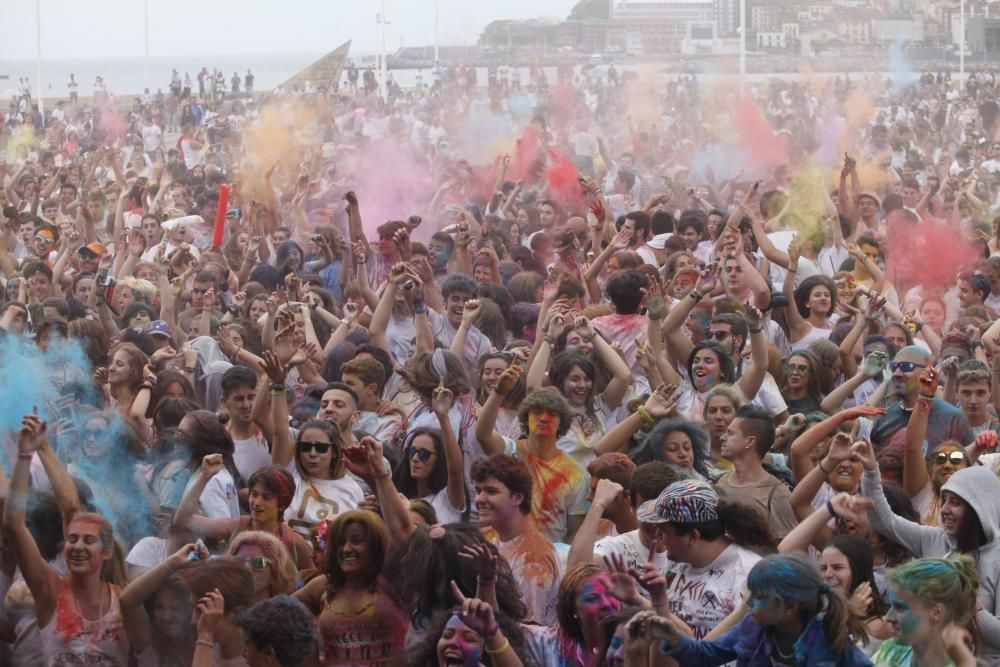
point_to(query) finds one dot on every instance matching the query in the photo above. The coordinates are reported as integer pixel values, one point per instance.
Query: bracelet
(27, 456)
(548, 339)
(644, 413)
(205, 642)
(189, 369)
(924, 397)
(277, 388)
(503, 648)
(360, 261)
(756, 331)
(494, 631)
(820, 466)
(829, 508)
(696, 295)
(419, 307)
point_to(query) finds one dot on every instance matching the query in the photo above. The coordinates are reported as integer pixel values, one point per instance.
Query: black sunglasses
(905, 366)
(719, 335)
(421, 455)
(320, 447)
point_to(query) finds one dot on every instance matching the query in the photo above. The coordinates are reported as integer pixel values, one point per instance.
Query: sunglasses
(320, 447)
(256, 563)
(719, 335)
(957, 458)
(905, 366)
(421, 455)
(798, 369)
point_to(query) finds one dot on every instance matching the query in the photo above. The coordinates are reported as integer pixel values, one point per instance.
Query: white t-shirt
(535, 567)
(703, 596)
(317, 499)
(630, 546)
(151, 137)
(446, 512)
(219, 500)
(251, 454)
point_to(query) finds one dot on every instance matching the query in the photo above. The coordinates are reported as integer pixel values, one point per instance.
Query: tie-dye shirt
(559, 489)
(535, 567)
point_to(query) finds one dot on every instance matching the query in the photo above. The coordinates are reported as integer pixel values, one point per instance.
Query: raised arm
(282, 447)
(582, 548)
(797, 325)
(659, 405)
(380, 318)
(491, 441)
(395, 508)
(42, 580)
(354, 221)
(143, 587)
(621, 378)
(750, 382)
(441, 403)
(915, 476)
(186, 516)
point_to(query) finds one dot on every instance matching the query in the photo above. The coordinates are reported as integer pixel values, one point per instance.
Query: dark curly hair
(425, 653)
(421, 568)
(651, 448)
(546, 398)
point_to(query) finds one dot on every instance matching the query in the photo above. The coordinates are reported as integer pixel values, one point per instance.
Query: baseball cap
(159, 327)
(688, 501)
(95, 248)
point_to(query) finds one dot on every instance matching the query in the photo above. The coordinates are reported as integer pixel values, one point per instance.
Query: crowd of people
(679, 377)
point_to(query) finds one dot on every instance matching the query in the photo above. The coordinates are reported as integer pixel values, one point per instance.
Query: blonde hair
(144, 290)
(283, 570)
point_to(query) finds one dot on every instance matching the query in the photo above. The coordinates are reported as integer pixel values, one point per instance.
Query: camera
(104, 278)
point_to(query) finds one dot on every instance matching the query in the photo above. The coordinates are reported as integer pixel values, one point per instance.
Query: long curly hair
(425, 653)
(421, 568)
(283, 570)
(651, 448)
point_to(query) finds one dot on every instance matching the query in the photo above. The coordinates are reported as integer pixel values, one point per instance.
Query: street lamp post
(38, 57)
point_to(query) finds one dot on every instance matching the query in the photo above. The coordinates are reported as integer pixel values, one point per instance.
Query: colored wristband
(824, 470)
(644, 413)
(503, 648)
(829, 508)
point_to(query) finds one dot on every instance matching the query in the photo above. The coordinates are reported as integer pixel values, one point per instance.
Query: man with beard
(945, 421)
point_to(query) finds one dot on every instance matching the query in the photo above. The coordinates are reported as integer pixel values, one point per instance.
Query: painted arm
(282, 447)
(582, 548)
(613, 362)
(797, 325)
(750, 382)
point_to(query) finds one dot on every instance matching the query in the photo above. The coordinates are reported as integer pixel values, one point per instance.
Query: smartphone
(104, 278)
(864, 428)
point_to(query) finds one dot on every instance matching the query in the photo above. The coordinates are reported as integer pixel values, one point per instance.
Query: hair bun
(223, 417)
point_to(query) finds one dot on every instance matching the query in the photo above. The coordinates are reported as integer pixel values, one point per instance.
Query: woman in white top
(79, 618)
(811, 304)
(574, 374)
(432, 467)
(323, 489)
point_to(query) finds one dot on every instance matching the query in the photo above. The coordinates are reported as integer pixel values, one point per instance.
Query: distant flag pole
(38, 57)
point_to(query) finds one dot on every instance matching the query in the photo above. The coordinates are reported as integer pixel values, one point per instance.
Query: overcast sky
(114, 28)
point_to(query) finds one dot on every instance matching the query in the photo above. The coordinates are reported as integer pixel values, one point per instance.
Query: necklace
(94, 639)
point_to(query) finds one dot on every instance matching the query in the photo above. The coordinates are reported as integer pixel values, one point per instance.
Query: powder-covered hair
(951, 582)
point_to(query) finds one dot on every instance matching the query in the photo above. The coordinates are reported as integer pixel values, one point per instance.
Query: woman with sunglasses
(268, 559)
(433, 467)
(270, 493)
(969, 524)
(923, 476)
(801, 390)
(323, 489)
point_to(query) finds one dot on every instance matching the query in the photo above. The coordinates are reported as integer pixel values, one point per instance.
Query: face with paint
(438, 253)
(594, 602)
(766, 611)
(911, 618)
(615, 657)
(706, 369)
(543, 422)
(254, 558)
(459, 644)
(576, 343)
